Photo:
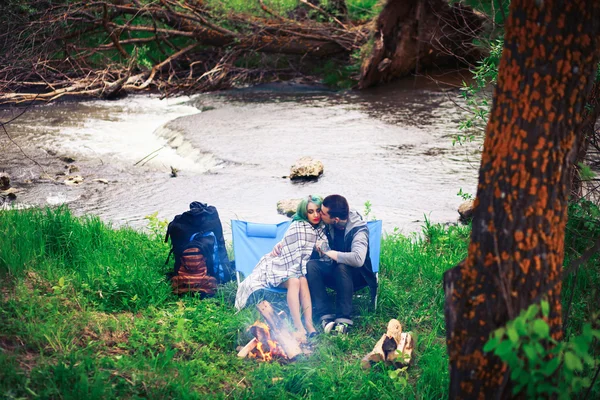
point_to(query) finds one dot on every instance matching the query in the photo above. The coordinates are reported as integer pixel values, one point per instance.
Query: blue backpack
(199, 230)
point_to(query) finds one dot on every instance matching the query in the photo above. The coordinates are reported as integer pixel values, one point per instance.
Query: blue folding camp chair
(251, 241)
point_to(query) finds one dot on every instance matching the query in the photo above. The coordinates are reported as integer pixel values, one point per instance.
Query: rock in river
(73, 180)
(465, 210)
(287, 206)
(306, 168)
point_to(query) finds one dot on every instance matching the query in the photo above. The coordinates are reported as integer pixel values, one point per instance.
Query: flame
(266, 348)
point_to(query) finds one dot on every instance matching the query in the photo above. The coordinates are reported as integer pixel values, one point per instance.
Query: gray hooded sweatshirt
(360, 242)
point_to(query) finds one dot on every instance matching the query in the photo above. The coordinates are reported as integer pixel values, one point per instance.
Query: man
(349, 270)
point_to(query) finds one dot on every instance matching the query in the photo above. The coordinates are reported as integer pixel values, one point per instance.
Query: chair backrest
(251, 241)
(375, 228)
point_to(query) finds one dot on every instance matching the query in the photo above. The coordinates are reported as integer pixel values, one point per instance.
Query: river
(390, 146)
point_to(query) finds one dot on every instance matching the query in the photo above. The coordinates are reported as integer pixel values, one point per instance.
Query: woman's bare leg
(306, 305)
(293, 299)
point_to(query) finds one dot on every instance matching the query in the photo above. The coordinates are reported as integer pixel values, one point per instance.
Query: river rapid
(390, 146)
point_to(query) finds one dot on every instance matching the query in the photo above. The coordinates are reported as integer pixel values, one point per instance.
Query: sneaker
(340, 328)
(328, 326)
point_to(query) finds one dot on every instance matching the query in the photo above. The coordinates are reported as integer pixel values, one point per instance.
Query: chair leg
(377, 292)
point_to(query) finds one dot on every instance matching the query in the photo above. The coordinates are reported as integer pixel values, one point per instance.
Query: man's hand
(276, 250)
(331, 254)
(322, 246)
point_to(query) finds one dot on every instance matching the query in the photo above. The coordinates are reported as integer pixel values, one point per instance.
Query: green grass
(358, 10)
(86, 313)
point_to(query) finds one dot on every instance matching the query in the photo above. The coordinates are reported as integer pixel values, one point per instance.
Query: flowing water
(390, 146)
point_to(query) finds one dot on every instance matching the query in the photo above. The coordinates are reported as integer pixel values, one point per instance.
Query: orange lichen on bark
(518, 235)
(524, 266)
(490, 260)
(533, 186)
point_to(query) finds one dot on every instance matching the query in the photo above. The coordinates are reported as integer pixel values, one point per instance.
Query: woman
(288, 269)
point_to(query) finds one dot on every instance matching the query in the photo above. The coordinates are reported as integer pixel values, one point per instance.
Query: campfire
(272, 340)
(264, 348)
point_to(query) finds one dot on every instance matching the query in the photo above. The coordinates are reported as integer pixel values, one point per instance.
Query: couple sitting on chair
(327, 245)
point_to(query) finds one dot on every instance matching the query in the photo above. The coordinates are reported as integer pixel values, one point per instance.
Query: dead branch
(65, 29)
(174, 46)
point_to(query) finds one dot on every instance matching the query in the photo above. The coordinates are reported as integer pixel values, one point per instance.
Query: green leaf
(517, 388)
(585, 172)
(585, 382)
(573, 362)
(551, 366)
(532, 311)
(530, 353)
(541, 328)
(587, 331)
(490, 345)
(539, 348)
(546, 389)
(515, 374)
(61, 281)
(523, 378)
(520, 326)
(504, 349)
(513, 336)
(498, 333)
(588, 359)
(580, 344)
(545, 308)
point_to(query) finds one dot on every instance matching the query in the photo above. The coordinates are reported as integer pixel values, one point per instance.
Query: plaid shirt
(298, 244)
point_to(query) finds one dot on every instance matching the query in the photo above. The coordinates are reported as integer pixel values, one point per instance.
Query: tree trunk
(418, 34)
(517, 243)
(592, 114)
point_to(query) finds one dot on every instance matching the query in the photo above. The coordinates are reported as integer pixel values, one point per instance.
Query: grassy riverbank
(86, 313)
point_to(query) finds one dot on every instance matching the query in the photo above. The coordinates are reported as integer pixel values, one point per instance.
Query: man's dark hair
(337, 206)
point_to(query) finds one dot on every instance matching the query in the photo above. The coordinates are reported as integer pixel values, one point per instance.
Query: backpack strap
(216, 262)
(169, 256)
(194, 235)
(171, 251)
(217, 267)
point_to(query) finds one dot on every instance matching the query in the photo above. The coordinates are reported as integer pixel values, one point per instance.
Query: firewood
(402, 356)
(279, 331)
(243, 353)
(386, 348)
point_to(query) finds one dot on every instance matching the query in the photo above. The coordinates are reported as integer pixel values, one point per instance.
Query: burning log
(394, 347)
(248, 348)
(262, 346)
(280, 332)
(271, 340)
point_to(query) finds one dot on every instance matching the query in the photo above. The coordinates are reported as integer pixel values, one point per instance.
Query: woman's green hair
(301, 214)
